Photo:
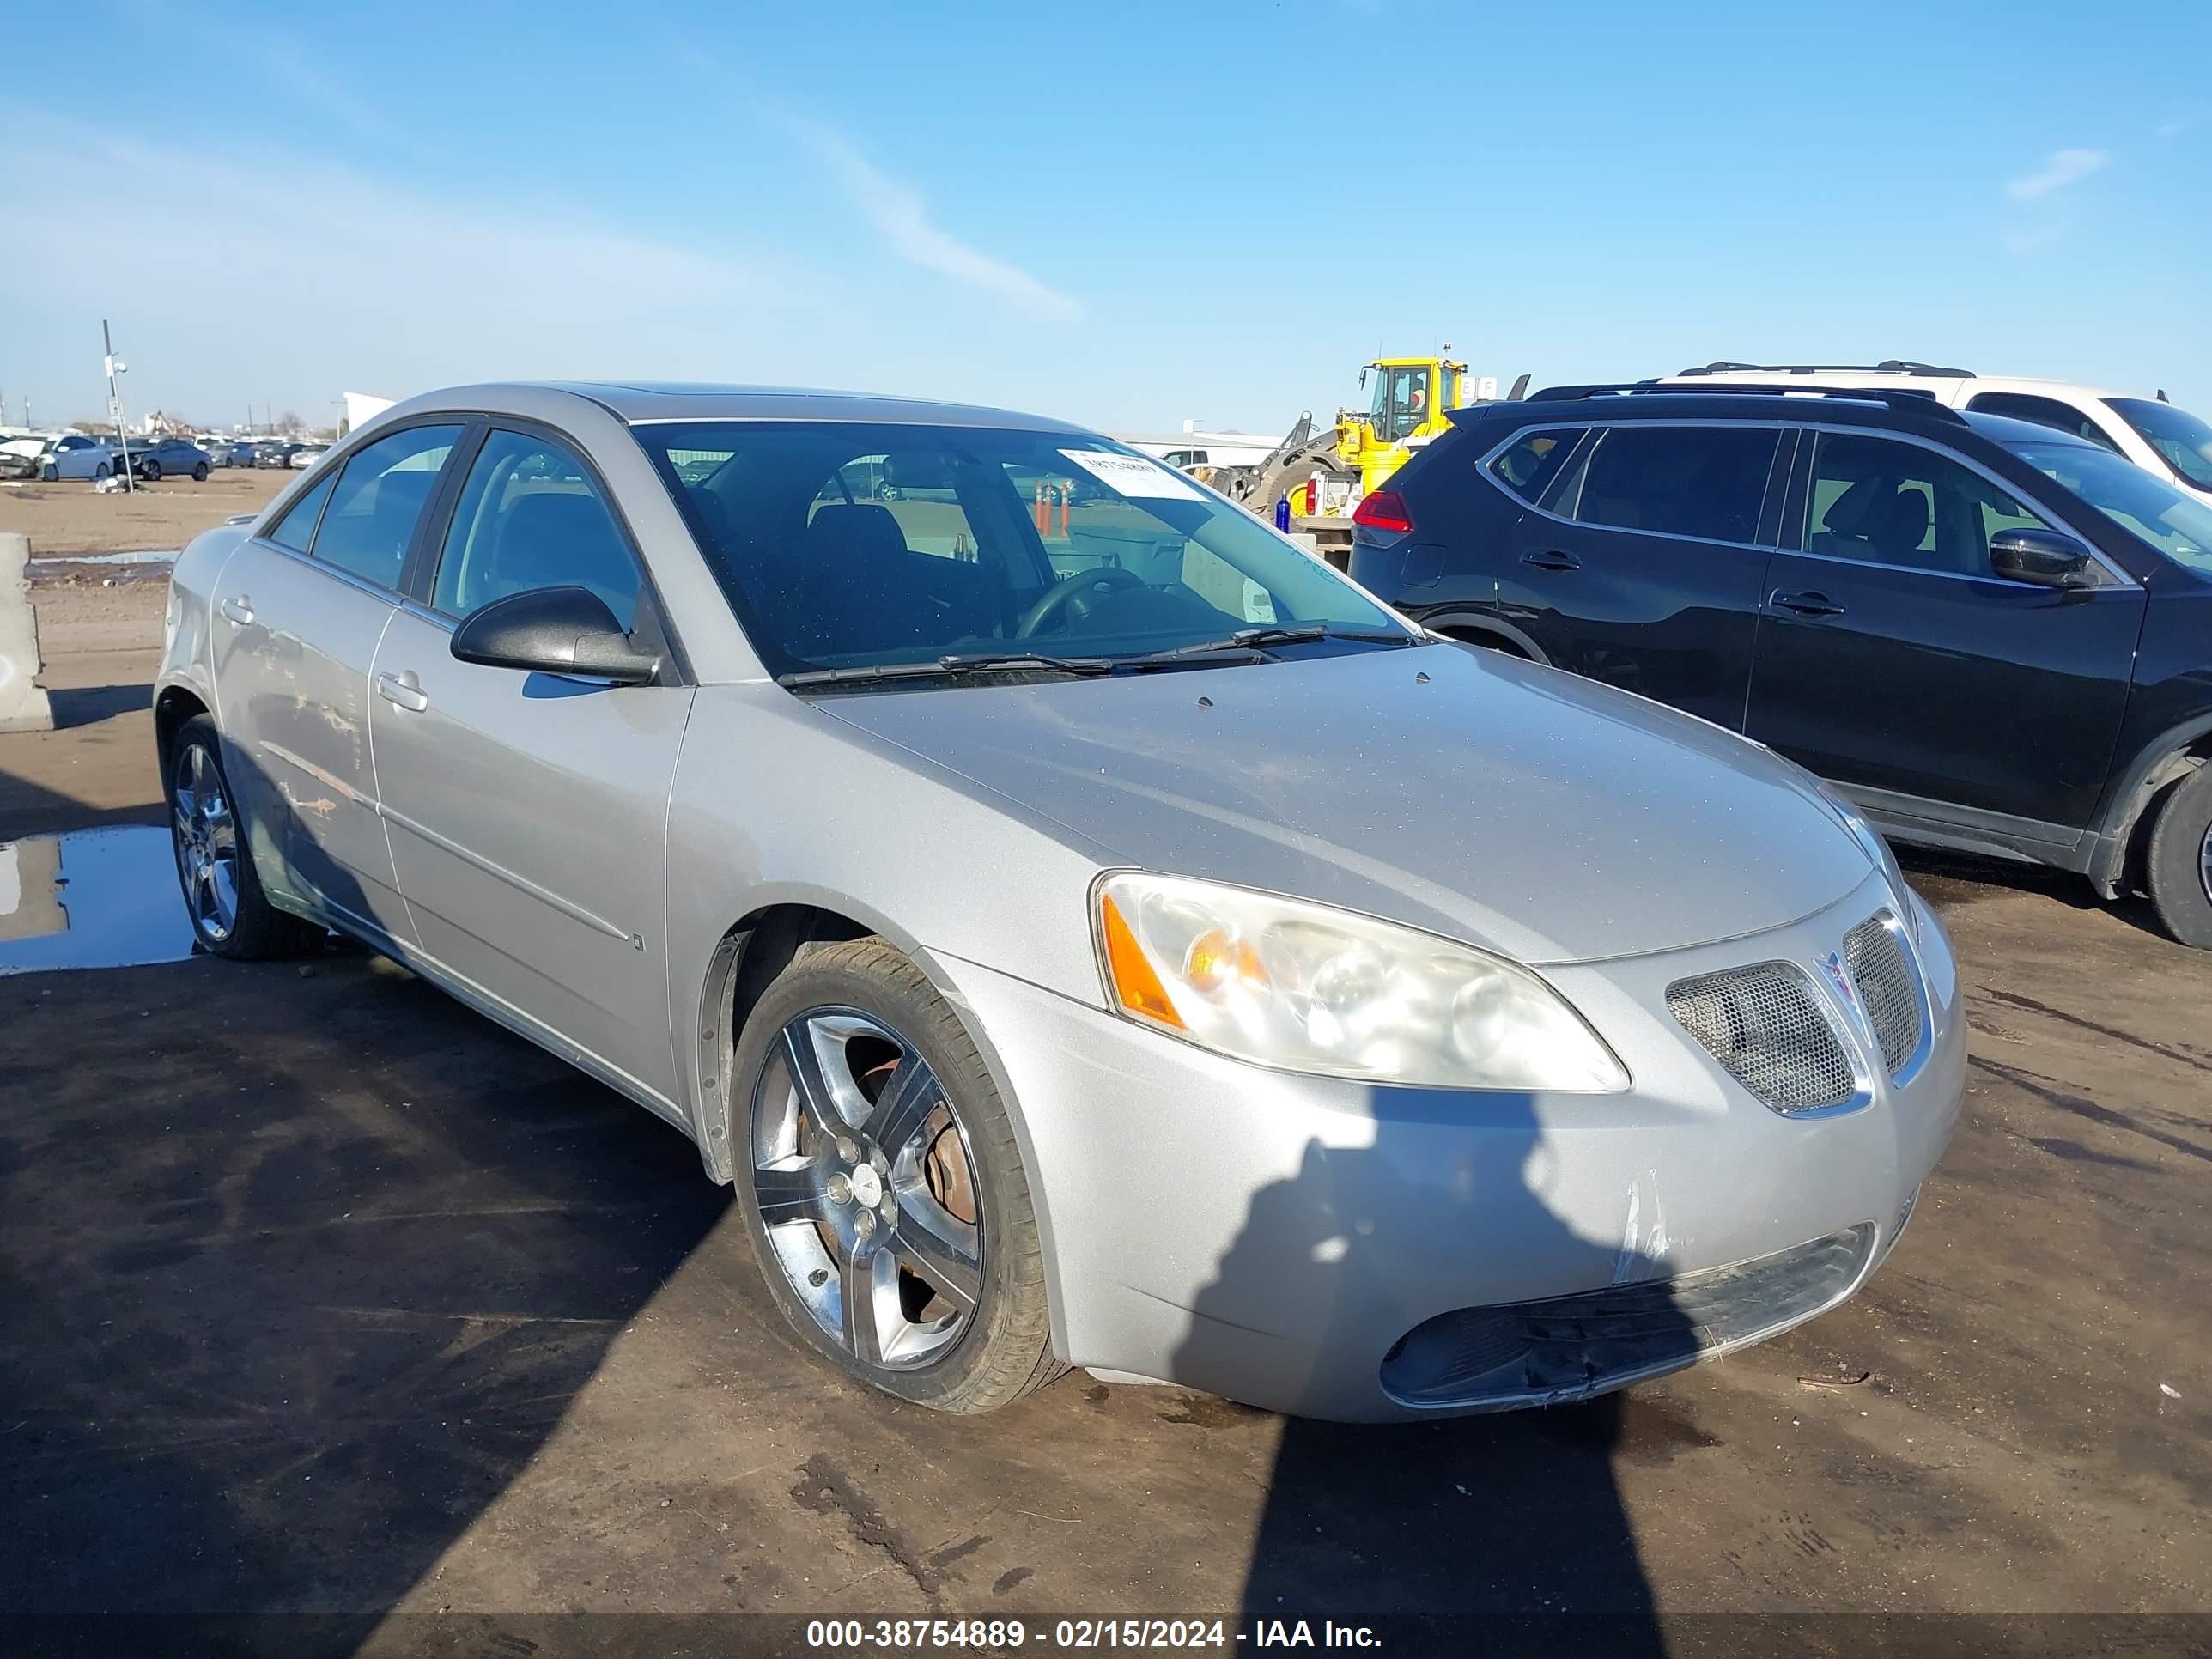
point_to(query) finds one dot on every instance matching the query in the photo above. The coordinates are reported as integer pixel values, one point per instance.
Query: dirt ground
(320, 1295)
(71, 517)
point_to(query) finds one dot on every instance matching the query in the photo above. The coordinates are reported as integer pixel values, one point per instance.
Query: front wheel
(151, 471)
(231, 916)
(2179, 863)
(883, 1187)
(200, 472)
(50, 473)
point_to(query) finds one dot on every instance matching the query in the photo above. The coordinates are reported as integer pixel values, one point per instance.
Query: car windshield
(2171, 520)
(860, 546)
(2183, 441)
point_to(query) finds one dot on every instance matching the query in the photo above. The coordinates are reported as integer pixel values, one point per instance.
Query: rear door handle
(1552, 558)
(237, 610)
(402, 689)
(1806, 604)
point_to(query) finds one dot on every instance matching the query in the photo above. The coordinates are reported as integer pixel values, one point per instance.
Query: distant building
(360, 406)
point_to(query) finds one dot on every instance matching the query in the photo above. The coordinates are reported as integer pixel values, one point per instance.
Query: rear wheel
(200, 472)
(230, 914)
(2179, 861)
(101, 471)
(883, 1187)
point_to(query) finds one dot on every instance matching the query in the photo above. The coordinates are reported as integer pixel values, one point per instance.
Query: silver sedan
(1083, 928)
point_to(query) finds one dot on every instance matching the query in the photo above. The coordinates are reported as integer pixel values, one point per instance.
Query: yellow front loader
(1322, 472)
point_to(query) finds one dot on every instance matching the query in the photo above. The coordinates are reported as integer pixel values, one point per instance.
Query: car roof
(1802, 406)
(640, 401)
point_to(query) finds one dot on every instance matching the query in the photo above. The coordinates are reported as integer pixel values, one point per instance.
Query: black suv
(1991, 635)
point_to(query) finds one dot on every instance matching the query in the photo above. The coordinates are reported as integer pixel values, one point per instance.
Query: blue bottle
(1283, 511)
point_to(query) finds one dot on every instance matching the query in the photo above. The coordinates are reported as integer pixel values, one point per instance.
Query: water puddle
(95, 898)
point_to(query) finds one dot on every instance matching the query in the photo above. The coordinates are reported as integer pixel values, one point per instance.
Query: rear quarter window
(1532, 463)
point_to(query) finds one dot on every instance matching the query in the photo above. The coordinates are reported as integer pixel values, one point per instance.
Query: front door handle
(1808, 603)
(1552, 558)
(404, 690)
(238, 609)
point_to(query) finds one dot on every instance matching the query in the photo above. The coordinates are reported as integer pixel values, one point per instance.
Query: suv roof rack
(1887, 365)
(1904, 400)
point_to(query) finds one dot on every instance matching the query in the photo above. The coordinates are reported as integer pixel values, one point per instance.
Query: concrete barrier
(22, 705)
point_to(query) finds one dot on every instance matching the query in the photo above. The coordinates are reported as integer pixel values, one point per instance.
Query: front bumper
(1276, 1238)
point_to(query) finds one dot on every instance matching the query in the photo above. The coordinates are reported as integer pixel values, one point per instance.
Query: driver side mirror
(553, 631)
(2043, 557)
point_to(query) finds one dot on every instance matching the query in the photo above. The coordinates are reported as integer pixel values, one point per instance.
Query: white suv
(2148, 431)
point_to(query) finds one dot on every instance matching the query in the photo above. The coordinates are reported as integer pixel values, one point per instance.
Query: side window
(380, 495)
(2044, 412)
(1705, 481)
(1532, 461)
(296, 529)
(1887, 502)
(531, 516)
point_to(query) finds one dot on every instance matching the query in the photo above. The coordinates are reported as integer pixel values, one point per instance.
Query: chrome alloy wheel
(205, 832)
(867, 1188)
(2204, 864)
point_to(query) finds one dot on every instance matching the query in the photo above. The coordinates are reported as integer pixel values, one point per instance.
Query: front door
(1892, 661)
(297, 618)
(1645, 568)
(528, 812)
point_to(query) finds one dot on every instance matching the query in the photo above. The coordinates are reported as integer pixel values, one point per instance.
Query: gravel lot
(71, 517)
(319, 1293)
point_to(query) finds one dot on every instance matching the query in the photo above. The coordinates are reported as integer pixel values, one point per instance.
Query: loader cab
(1410, 396)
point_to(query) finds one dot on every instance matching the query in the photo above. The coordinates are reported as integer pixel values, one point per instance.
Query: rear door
(297, 616)
(1892, 661)
(1643, 564)
(528, 811)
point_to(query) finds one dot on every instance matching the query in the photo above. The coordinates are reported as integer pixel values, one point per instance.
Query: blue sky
(1127, 216)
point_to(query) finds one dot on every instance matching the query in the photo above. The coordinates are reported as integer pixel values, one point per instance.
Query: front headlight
(1308, 987)
(1869, 840)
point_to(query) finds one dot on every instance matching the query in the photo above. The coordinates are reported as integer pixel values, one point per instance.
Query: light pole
(115, 405)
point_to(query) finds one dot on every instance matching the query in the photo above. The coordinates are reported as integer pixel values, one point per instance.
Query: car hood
(1541, 816)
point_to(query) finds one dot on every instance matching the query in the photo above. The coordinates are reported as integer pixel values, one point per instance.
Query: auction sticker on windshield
(1132, 475)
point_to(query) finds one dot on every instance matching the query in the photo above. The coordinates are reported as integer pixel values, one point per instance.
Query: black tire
(150, 471)
(100, 471)
(50, 473)
(200, 472)
(256, 930)
(1003, 1349)
(2178, 864)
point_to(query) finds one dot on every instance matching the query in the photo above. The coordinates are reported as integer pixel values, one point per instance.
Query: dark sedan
(169, 458)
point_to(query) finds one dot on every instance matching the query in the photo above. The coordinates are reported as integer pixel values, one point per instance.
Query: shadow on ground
(273, 1331)
(1346, 1257)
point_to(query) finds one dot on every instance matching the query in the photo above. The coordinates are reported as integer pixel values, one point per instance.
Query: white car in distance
(2149, 431)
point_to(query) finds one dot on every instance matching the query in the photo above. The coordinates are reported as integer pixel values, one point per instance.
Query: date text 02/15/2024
(1004, 1635)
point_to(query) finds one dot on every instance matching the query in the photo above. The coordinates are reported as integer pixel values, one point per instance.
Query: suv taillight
(1385, 510)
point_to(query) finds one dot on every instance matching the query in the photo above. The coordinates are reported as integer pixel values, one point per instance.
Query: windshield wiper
(950, 667)
(1254, 641)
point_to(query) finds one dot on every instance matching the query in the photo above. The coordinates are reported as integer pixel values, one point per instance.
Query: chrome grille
(1883, 973)
(1764, 1025)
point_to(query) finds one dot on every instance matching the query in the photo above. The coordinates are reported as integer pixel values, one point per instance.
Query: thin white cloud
(2063, 167)
(307, 82)
(2179, 124)
(303, 274)
(901, 218)
(2028, 241)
